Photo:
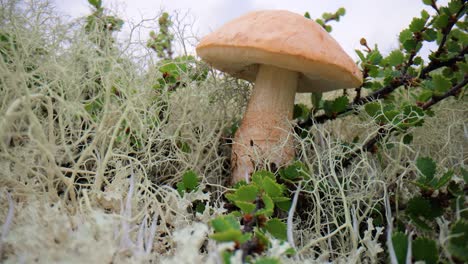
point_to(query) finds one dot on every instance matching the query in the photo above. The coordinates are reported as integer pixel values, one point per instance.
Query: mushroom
(283, 53)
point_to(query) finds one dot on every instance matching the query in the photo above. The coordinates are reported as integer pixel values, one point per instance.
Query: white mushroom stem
(263, 134)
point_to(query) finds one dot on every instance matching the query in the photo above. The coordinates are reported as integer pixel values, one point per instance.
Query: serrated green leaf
(225, 223)
(407, 139)
(424, 15)
(260, 234)
(277, 228)
(444, 179)
(405, 35)
(427, 167)
(272, 188)
(425, 249)
(180, 188)
(455, 6)
(360, 55)
(374, 57)
(246, 207)
(400, 246)
(395, 58)
(284, 205)
(417, 24)
(390, 116)
(263, 173)
(421, 207)
(294, 171)
(280, 199)
(441, 84)
(465, 174)
(425, 95)
(226, 255)
(427, 2)
(190, 180)
(418, 60)
(458, 243)
(96, 3)
(430, 35)
(413, 116)
(410, 45)
(372, 109)
(230, 235)
(301, 111)
(441, 21)
(247, 193)
(328, 107)
(340, 104)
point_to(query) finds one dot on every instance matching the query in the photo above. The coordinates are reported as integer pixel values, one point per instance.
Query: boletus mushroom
(282, 53)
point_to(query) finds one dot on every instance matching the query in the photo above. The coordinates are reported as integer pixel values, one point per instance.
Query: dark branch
(452, 92)
(370, 144)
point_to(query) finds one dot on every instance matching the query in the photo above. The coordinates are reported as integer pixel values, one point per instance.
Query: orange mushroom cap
(285, 40)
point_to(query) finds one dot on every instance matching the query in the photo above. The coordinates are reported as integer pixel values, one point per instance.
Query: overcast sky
(379, 21)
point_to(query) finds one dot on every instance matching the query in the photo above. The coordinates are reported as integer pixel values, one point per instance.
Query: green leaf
(247, 193)
(427, 167)
(96, 3)
(307, 15)
(411, 45)
(425, 15)
(441, 84)
(395, 58)
(372, 109)
(180, 188)
(400, 246)
(264, 174)
(225, 223)
(267, 260)
(444, 179)
(417, 24)
(277, 228)
(246, 207)
(374, 57)
(260, 234)
(190, 180)
(294, 171)
(272, 188)
(455, 6)
(425, 249)
(301, 111)
(430, 35)
(441, 21)
(340, 104)
(420, 209)
(315, 99)
(405, 35)
(458, 243)
(425, 95)
(413, 116)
